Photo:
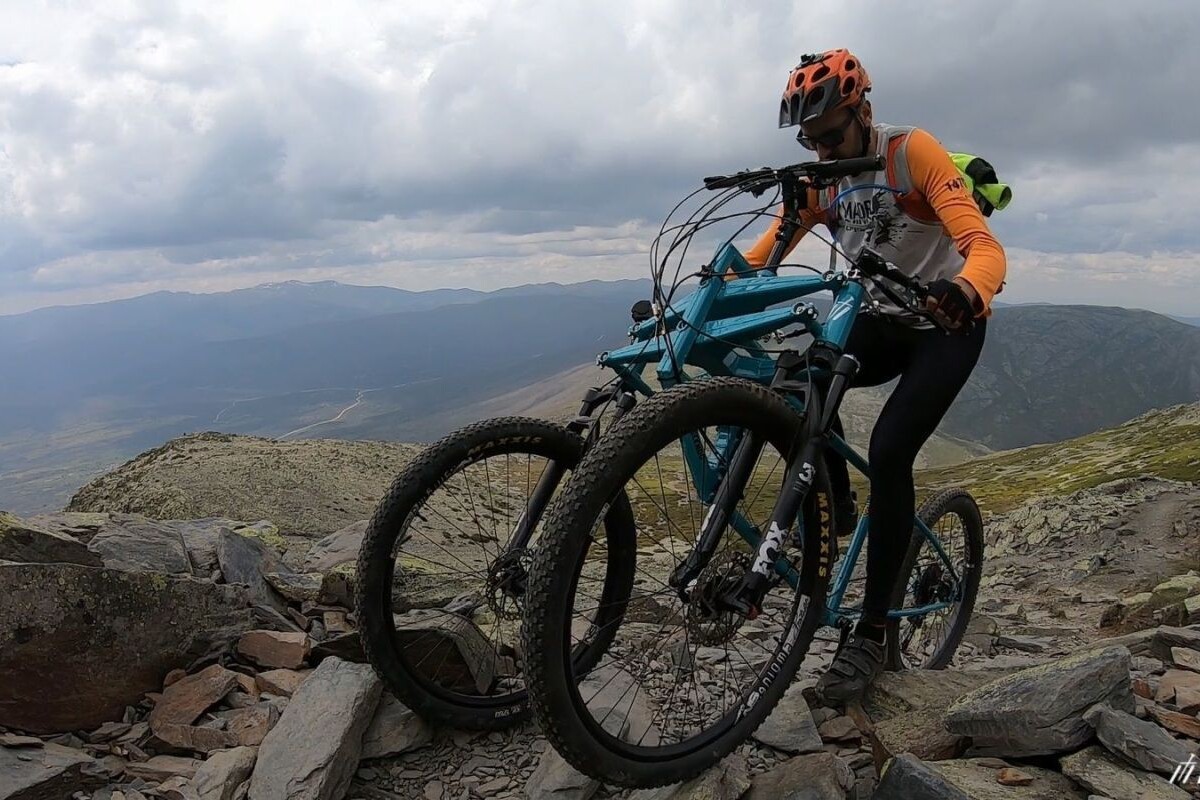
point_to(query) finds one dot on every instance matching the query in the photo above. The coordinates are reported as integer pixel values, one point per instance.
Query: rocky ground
(306, 488)
(193, 658)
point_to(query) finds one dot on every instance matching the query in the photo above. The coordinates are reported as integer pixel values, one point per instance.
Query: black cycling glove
(951, 303)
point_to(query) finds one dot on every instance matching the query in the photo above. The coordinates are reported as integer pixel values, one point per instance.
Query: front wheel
(929, 641)
(443, 570)
(686, 678)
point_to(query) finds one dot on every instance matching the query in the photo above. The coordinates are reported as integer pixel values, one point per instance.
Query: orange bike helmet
(821, 83)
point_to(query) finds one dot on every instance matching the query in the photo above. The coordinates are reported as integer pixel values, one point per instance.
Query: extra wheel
(685, 680)
(929, 641)
(441, 583)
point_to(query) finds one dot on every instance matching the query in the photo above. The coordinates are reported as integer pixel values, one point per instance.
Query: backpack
(980, 177)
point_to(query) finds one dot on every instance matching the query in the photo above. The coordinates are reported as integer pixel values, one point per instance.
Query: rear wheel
(441, 583)
(929, 641)
(685, 680)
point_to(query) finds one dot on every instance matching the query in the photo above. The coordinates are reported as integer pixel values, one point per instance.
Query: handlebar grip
(737, 179)
(844, 167)
(720, 182)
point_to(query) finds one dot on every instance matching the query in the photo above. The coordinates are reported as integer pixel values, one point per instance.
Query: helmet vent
(850, 64)
(848, 86)
(820, 72)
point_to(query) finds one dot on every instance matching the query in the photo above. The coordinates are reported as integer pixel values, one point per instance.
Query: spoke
(469, 570)
(466, 536)
(474, 512)
(492, 499)
(663, 488)
(765, 483)
(661, 511)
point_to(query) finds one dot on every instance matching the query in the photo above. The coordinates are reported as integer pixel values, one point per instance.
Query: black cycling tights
(932, 367)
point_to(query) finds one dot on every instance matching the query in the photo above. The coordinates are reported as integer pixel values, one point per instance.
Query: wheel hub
(508, 579)
(709, 620)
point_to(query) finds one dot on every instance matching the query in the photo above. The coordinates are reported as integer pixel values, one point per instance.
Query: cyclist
(933, 230)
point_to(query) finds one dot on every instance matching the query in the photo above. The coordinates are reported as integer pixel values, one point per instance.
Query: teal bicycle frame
(701, 330)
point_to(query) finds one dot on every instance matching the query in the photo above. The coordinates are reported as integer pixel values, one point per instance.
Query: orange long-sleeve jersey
(938, 194)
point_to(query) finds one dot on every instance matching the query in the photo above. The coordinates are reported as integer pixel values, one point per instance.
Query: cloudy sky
(212, 146)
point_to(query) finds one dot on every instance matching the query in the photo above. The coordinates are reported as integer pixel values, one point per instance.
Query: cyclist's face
(834, 135)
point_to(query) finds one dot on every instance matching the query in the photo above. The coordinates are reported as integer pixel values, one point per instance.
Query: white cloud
(191, 145)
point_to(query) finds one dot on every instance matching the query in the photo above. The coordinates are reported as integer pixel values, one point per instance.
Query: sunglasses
(830, 138)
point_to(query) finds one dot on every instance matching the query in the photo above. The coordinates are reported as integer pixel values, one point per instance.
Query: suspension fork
(588, 427)
(747, 597)
(728, 494)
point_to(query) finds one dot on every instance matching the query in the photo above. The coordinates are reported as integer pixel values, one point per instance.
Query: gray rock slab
(225, 770)
(790, 728)
(1103, 773)
(313, 751)
(50, 772)
(1138, 741)
(394, 729)
(23, 542)
(728, 780)
(139, 544)
(1039, 711)
(906, 777)
(339, 547)
(816, 776)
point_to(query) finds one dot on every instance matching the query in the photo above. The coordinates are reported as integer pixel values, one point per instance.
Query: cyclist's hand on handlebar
(949, 302)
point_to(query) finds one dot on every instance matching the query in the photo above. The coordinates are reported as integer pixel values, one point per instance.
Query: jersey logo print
(857, 215)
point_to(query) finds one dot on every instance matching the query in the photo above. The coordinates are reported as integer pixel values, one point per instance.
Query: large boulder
(1166, 638)
(907, 710)
(1039, 711)
(463, 655)
(313, 750)
(200, 537)
(78, 644)
(136, 543)
(24, 541)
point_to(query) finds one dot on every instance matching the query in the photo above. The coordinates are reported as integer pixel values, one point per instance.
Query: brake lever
(911, 299)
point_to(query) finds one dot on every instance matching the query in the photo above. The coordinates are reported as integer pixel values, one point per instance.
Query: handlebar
(816, 173)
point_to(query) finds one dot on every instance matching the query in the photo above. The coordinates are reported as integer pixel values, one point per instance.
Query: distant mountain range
(88, 387)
